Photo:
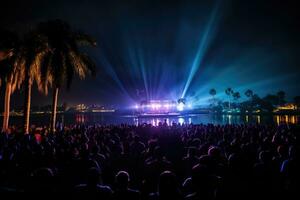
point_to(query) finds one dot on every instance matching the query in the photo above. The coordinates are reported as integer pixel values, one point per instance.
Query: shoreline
(296, 113)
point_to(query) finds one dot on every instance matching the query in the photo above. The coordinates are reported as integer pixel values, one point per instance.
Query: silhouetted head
(42, 173)
(235, 162)
(122, 179)
(282, 150)
(265, 156)
(192, 151)
(203, 182)
(136, 138)
(292, 152)
(167, 184)
(158, 153)
(93, 176)
(207, 161)
(95, 149)
(200, 176)
(92, 164)
(125, 147)
(214, 152)
(42, 179)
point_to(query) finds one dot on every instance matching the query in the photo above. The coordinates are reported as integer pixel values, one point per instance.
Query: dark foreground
(164, 162)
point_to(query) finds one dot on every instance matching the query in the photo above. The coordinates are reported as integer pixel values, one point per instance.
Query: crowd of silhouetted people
(153, 162)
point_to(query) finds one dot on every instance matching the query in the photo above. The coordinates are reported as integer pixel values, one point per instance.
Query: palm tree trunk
(6, 107)
(54, 108)
(27, 104)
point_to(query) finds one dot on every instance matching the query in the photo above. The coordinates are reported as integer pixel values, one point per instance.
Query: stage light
(136, 107)
(180, 106)
(204, 44)
(152, 106)
(167, 106)
(181, 121)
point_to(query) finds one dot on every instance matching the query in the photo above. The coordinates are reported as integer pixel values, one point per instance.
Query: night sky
(171, 49)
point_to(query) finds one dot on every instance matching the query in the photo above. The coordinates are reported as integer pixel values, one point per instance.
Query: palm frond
(85, 39)
(78, 65)
(69, 71)
(46, 78)
(89, 64)
(67, 58)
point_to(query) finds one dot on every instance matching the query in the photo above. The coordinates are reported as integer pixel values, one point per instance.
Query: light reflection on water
(185, 119)
(222, 119)
(93, 118)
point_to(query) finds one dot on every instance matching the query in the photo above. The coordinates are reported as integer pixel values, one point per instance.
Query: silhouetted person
(137, 147)
(93, 186)
(256, 160)
(266, 175)
(42, 181)
(203, 183)
(168, 188)
(237, 179)
(122, 190)
(190, 160)
(155, 167)
(290, 170)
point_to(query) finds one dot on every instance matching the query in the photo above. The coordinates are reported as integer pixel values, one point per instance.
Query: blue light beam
(203, 46)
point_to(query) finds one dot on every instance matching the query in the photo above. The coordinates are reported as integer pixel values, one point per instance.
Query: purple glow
(161, 107)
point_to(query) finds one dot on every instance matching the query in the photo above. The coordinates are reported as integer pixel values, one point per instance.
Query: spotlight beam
(109, 68)
(143, 71)
(202, 48)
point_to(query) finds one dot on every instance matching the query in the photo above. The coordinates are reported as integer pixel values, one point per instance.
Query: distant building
(286, 107)
(80, 107)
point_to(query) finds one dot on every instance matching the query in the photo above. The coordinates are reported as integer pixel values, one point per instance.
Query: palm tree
(9, 46)
(64, 58)
(7, 43)
(236, 96)
(249, 93)
(32, 50)
(213, 92)
(229, 93)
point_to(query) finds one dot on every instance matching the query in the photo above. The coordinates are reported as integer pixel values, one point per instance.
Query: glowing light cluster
(159, 106)
(180, 106)
(162, 106)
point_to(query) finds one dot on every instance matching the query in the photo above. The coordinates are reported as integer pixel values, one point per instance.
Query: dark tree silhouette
(213, 92)
(64, 59)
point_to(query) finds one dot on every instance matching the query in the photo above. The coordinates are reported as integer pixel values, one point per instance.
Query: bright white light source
(180, 106)
(180, 120)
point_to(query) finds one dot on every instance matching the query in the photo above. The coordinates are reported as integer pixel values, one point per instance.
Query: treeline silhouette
(48, 56)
